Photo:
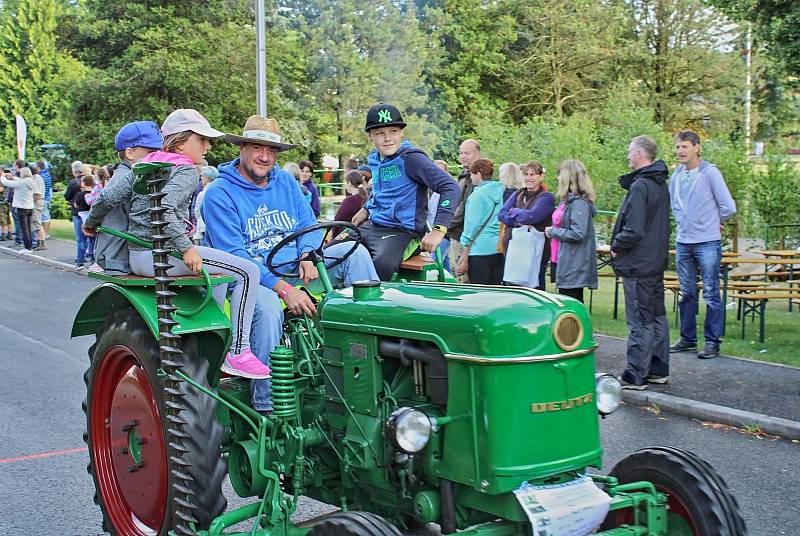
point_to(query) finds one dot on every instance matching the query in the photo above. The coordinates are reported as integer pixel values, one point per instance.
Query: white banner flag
(22, 137)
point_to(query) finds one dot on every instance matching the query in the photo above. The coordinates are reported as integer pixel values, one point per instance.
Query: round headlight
(608, 393)
(408, 429)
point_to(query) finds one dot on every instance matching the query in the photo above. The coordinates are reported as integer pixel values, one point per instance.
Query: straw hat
(263, 131)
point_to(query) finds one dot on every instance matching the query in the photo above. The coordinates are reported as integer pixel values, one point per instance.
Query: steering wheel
(315, 255)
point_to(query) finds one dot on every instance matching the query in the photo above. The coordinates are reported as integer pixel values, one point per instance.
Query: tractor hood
(469, 321)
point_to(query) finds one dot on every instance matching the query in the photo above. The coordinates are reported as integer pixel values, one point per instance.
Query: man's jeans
(80, 240)
(267, 328)
(706, 256)
(648, 339)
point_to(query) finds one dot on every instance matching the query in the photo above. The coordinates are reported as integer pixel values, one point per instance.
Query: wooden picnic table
(727, 262)
(780, 253)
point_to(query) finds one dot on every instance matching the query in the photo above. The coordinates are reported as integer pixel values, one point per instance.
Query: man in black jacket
(639, 246)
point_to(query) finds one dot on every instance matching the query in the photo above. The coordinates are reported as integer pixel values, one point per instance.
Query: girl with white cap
(187, 137)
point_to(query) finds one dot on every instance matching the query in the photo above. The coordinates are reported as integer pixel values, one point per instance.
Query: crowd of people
(25, 194)
(505, 231)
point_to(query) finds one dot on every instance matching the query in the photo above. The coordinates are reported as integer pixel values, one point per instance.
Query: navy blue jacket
(400, 190)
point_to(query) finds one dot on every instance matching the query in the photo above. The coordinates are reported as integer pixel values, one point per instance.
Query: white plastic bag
(524, 256)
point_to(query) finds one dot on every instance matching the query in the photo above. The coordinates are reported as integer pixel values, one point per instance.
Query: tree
(777, 24)
(686, 63)
(468, 40)
(169, 55)
(563, 55)
(33, 72)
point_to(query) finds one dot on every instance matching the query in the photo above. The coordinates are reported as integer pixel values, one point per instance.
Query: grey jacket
(708, 204)
(120, 194)
(179, 190)
(577, 252)
(111, 210)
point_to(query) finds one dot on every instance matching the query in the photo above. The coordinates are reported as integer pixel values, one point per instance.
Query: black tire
(353, 524)
(123, 385)
(698, 496)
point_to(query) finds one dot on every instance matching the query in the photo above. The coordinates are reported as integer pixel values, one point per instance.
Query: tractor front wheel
(127, 432)
(699, 501)
(353, 524)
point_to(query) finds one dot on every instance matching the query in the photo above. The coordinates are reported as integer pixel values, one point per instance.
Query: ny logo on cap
(384, 116)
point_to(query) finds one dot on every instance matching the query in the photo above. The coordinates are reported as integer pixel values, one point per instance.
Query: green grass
(780, 327)
(62, 229)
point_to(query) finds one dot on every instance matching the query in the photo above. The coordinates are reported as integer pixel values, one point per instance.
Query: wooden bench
(417, 263)
(756, 304)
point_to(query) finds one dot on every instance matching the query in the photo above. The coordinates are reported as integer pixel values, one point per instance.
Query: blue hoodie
(248, 221)
(400, 190)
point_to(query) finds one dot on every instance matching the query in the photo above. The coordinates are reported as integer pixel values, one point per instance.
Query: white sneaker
(23, 250)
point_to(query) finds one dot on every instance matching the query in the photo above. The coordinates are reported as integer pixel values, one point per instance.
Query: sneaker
(2, 238)
(79, 266)
(245, 365)
(683, 346)
(655, 378)
(96, 268)
(710, 351)
(25, 250)
(40, 247)
(632, 386)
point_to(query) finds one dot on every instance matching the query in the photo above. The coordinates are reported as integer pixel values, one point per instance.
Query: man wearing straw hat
(251, 207)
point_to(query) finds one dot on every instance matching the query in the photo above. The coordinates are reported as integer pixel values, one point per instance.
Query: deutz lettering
(561, 405)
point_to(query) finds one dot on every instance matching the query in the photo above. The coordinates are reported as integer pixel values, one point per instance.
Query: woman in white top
(23, 202)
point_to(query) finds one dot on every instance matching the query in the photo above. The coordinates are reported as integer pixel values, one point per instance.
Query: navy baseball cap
(139, 134)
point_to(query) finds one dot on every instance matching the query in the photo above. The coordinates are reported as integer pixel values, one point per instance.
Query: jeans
(648, 339)
(706, 256)
(24, 216)
(17, 228)
(267, 327)
(80, 240)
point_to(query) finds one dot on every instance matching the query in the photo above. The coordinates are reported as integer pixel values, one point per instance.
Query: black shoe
(710, 351)
(683, 346)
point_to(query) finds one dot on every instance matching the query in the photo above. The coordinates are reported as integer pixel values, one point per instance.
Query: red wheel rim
(675, 506)
(128, 451)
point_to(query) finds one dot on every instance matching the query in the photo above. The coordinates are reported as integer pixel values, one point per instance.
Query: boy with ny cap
(133, 142)
(397, 211)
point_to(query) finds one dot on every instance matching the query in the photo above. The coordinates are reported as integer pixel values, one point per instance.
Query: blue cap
(139, 134)
(364, 168)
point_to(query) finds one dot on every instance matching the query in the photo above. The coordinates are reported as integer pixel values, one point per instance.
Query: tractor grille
(568, 332)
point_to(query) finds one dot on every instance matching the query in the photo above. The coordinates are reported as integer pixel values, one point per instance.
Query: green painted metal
(472, 320)
(518, 408)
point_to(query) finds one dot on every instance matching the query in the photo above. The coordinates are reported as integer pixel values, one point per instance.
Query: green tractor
(402, 403)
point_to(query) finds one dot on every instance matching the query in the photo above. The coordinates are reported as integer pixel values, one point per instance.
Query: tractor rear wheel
(353, 524)
(699, 501)
(127, 433)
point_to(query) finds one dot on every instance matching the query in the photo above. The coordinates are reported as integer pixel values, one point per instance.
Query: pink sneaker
(245, 365)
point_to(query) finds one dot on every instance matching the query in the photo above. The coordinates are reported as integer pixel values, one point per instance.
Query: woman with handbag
(577, 251)
(480, 259)
(526, 214)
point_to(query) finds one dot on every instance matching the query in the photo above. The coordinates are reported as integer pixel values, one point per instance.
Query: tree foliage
(34, 71)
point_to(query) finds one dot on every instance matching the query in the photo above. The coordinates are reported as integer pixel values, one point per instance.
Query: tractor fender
(109, 298)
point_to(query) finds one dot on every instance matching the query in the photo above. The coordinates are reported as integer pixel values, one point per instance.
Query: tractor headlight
(608, 393)
(408, 429)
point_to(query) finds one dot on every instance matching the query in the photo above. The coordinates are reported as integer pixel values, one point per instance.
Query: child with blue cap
(133, 142)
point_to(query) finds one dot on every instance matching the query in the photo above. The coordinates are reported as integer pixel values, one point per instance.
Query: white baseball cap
(184, 119)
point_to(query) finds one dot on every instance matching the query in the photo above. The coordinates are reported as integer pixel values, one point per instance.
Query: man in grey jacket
(701, 203)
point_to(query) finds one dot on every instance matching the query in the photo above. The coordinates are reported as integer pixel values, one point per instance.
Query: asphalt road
(40, 414)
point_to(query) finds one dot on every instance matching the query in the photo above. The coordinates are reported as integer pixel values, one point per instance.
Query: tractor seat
(417, 263)
(140, 281)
